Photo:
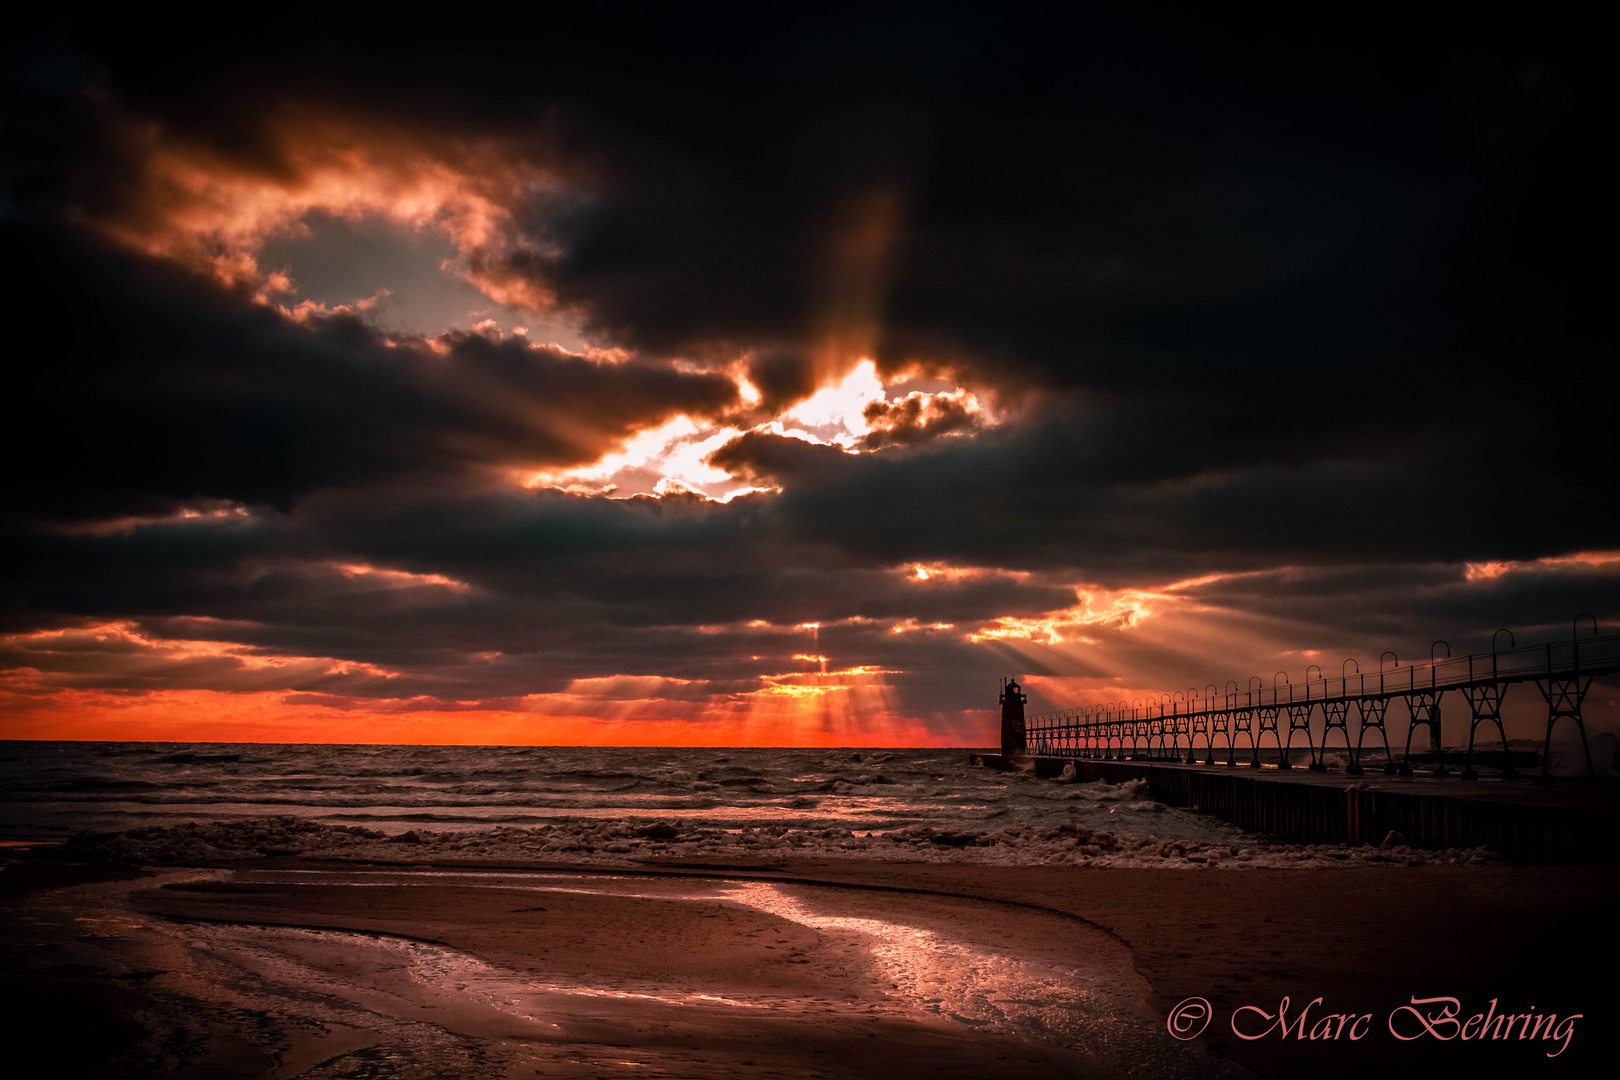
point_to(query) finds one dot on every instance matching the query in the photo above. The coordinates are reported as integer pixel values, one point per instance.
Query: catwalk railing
(1562, 671)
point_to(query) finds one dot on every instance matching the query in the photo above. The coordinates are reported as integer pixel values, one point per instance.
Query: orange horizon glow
(85, 682)
(188, 716)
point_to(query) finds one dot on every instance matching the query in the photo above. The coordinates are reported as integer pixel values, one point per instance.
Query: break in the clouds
(719, 376)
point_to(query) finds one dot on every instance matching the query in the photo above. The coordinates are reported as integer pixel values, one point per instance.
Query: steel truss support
(1223, 726)
(1243, 724)
(1485, 705)
(1372, 716)
(1200, 725)
(1336, 714)
(1564, 697)
(1425, 706)
(1299, 719)
(1269, 715)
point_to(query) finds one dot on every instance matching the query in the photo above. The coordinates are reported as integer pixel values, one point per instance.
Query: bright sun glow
(672, 457)
(661, 460)
(834, 414)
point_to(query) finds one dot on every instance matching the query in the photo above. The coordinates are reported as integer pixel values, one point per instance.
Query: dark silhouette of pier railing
(1144, 730)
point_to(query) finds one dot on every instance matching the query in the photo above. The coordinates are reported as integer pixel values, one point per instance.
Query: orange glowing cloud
(43, 661)
(211, 511)
(1487, 571)
(687, 454)
(400, 579)
(214, 214)
(943, 572)
(1095, 607)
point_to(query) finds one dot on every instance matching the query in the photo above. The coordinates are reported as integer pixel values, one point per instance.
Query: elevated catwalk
(1523, 822)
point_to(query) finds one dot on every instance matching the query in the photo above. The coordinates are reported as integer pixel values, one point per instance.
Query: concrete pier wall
(1522, 823)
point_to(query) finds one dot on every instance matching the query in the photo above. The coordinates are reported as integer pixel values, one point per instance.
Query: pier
(1488, 802)
(1523, 823)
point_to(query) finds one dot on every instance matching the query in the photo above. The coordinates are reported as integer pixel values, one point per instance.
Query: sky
(716, 376)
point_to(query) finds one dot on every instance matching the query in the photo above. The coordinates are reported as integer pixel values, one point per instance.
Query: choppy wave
(57, 789)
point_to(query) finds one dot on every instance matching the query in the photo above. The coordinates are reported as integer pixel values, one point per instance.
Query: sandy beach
(781, 967)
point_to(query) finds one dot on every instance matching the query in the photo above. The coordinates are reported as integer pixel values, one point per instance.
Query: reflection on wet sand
(430, 973)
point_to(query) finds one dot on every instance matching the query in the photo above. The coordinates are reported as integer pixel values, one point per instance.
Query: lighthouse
(1012, 717)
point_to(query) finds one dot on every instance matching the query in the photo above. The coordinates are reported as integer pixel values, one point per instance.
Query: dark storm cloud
(562, 587)
(782, 376)
(915, 419)
(1331, 217)
(1289, 236)
(148, 387)
(1095, 203)
(1462, 604)
(1153, 499)
(1315, 296)
(778, 459)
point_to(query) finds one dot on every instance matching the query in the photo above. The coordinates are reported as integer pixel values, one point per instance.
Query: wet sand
(287, 968)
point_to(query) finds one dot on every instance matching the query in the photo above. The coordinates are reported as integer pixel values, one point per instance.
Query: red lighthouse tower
(1012, 717)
